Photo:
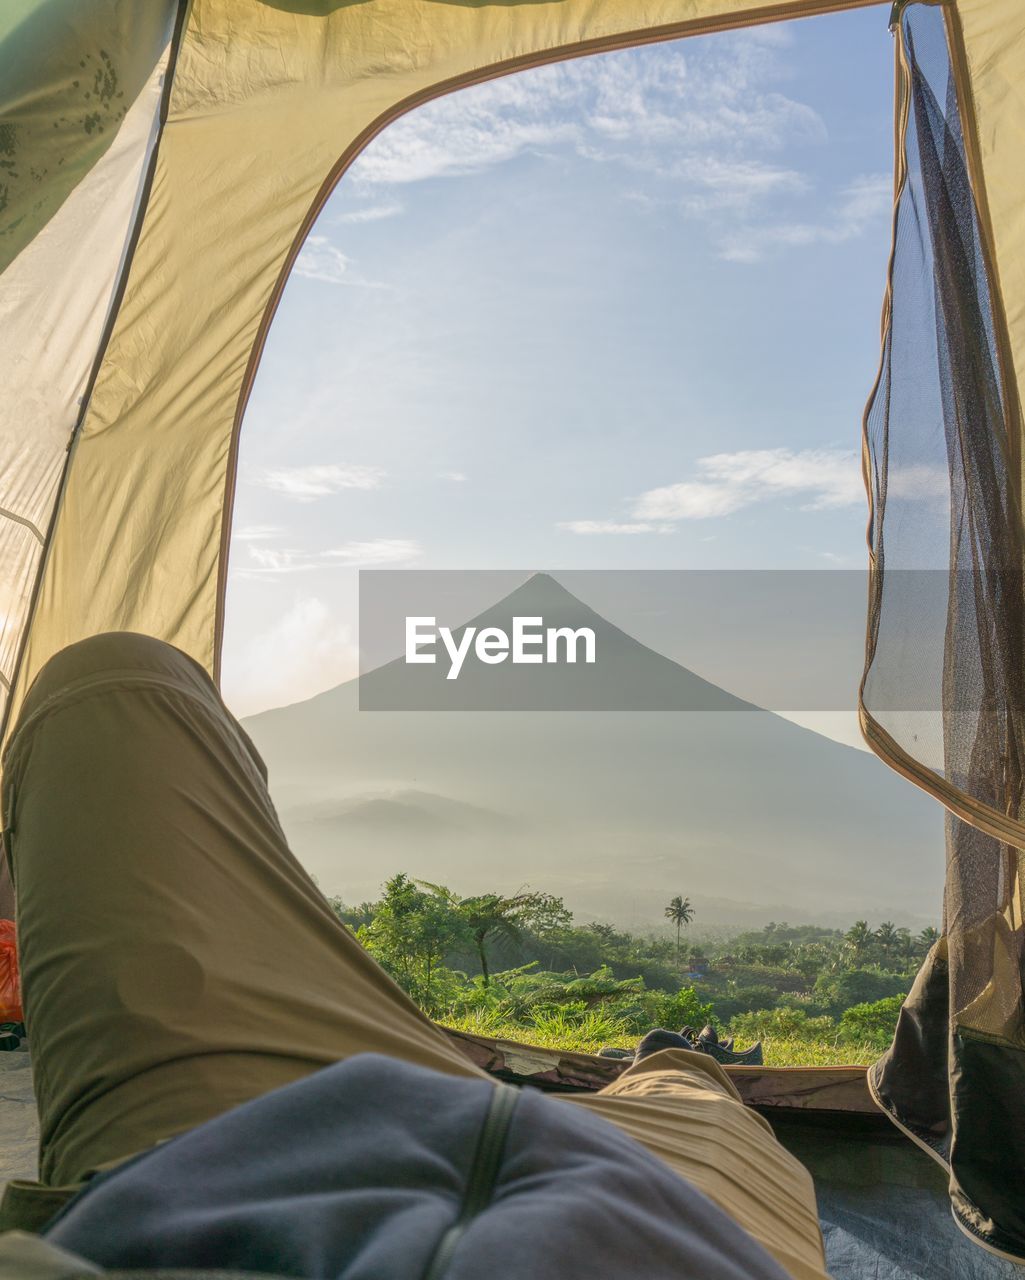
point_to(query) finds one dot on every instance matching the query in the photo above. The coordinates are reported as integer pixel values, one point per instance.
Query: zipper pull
(895, 13)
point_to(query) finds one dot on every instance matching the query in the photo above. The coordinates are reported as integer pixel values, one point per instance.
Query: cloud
(371, 213)
(456, 477)
(307, 483)
(671, 111)
(320, 260)
(275, 560)
(728, 482)
(703, 123)
(866, 200)
(737, 184)
(586, 527)
(256, 532)
(377, 551)
(423, 151)
(264, 562)
(303, 651)
(918, 481)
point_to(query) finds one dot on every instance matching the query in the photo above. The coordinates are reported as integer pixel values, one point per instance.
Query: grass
(780, 1051)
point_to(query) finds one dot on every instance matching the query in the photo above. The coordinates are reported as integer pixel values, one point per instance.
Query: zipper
(480, 1185)
(526, 62)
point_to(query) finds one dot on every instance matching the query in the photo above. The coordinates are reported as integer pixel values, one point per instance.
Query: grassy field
(522, 969)
(779, 1051)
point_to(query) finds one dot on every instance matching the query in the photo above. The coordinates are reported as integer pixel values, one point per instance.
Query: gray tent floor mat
(883, 1205)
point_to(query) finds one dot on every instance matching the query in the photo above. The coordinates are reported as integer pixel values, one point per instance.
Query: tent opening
(610, 319)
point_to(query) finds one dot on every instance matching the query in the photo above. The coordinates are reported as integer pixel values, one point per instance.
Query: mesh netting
(946, 676)
(944, 691)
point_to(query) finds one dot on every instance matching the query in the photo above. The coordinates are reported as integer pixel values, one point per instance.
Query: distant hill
(692, 791)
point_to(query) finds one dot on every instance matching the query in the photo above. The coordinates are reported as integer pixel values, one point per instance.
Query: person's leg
(682, 1106)
(176, 959)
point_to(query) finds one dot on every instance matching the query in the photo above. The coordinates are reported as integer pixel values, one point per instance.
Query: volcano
(615, 785)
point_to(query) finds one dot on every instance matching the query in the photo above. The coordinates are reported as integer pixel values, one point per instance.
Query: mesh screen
(944, 681)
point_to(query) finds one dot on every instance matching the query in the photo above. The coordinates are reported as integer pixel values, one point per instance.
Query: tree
(888, 938)
(858, 939)
(490, 915)
(410, 935)
(928, 938)
(680, 912)
(872, 1024)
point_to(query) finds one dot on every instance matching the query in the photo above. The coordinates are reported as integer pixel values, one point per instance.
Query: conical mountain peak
(622, 675)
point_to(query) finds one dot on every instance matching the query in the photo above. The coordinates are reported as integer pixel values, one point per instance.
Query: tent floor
(883, 1202)
(18, 1128)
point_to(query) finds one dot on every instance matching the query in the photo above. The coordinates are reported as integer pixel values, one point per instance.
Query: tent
(160, 166)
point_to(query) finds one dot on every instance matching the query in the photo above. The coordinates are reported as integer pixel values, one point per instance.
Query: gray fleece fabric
(373, 1169)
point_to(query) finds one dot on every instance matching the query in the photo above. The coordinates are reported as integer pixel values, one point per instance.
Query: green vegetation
(518, 967)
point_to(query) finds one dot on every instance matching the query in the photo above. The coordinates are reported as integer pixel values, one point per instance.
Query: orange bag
(10, 988)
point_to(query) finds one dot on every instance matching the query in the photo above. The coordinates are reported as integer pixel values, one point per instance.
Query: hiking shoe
(659, 1039)
(729, 1057)
(709, 1035)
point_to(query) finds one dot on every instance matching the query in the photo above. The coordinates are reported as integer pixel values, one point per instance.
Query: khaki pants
(177, 960)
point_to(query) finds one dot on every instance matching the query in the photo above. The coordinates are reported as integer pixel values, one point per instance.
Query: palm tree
(491, 915)
(857, 938)
(928, 938)
(680, 912)
(887, 937)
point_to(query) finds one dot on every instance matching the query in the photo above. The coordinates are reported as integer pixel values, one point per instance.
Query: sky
(618, 313)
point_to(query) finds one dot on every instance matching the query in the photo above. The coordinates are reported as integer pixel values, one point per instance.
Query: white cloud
(375, 552)
(320, 260)
(866, 200)
(456, 477)
(256, 532)
(642, 108)
(609, 526)
(305, 650)
(275, 560)
(307, 483)
(728, 482)
(736, 184)
(691, 501)
(698, 121)
(918, 481)
(265, 561)
(370, 213)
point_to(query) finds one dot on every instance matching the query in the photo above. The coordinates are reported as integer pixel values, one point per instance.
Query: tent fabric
(146, 232)
(79, 86)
